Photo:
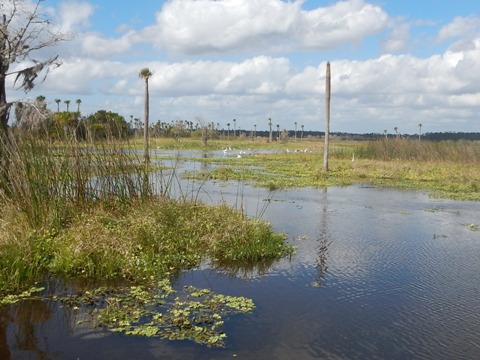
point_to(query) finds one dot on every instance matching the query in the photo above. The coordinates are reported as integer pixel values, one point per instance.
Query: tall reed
(410, 149)
(48, 182)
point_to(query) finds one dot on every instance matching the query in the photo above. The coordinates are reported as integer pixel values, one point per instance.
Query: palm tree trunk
(145, 125)
(327, 116)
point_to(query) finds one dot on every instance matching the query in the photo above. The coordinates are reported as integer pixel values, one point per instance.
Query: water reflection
(5, 320)
(24, 330)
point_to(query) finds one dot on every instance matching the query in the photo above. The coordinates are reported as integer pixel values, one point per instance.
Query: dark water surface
(378, 274)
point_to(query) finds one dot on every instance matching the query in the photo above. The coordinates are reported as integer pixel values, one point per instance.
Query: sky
(393, 63)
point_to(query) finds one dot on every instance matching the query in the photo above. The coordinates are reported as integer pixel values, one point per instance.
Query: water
(378, 274)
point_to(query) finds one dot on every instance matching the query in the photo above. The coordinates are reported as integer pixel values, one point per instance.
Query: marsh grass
(94, 211)
(147, 240)
(444, 169)
(152, 239)
(425, 151)
(49, 183)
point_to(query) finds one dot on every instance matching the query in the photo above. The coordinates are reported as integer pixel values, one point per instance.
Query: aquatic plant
(192, 314)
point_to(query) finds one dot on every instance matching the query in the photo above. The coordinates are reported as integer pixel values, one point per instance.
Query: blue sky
(394, 63)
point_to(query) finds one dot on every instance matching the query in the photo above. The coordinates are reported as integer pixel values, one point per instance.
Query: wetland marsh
(377, 273)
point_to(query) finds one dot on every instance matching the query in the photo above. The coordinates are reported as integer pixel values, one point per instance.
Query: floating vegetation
(193, 314)
(15, 298)
(472, 227)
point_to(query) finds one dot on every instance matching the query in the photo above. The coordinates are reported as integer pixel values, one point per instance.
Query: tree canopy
(106, 124)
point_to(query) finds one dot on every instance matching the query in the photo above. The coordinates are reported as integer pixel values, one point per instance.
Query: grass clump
(91, 211)
(138, 242)
(158, 238)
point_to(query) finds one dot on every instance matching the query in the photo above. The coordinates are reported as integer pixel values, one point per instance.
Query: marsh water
(378, 274)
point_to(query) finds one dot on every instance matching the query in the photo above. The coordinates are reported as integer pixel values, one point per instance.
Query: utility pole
(327, 116)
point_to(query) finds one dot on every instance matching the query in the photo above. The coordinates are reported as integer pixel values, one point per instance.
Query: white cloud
(369, 95)
(343, 22)
(460, 26)
(398, 40)
(74, 15)
(208, 26)
(83, 76)
(97, 46)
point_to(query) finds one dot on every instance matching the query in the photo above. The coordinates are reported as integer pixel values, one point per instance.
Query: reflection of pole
(324, 240)
(327, 117)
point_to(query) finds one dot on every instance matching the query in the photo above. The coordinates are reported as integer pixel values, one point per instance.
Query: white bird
(353, 157)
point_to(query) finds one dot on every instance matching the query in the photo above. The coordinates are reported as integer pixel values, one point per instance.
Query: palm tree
(419, 131)
(295, 131)
(301, 135)
(228, 131)
(327, 115)
(385, 133)
(254, 131)
(67, 102)
(41, 101)
(145, 74)
(58, 104)
(270, 125)
(78, 102)
(396, 131)
(278, 132)
(234, 128)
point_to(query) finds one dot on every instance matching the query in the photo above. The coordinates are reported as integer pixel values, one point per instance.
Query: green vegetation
(159, 312)
(87, 211)
(91, 212)
(445, 169)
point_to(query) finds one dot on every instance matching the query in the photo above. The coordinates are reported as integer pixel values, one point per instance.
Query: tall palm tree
(419, 131)
(396, 131)
(78, 102)
(145, 74)
(270, 125)
(67, 102)
(301, 135)
(228, 131)
(295, 131)
(234, 128)
(278, 132)
(254, 131)
(385, 133)
(58, 104)
(327, 115)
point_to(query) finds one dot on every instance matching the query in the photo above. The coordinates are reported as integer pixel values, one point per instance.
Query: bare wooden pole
(327, 116)
(146, 111)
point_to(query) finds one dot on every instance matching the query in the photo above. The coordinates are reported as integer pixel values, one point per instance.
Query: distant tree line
(35, 118)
